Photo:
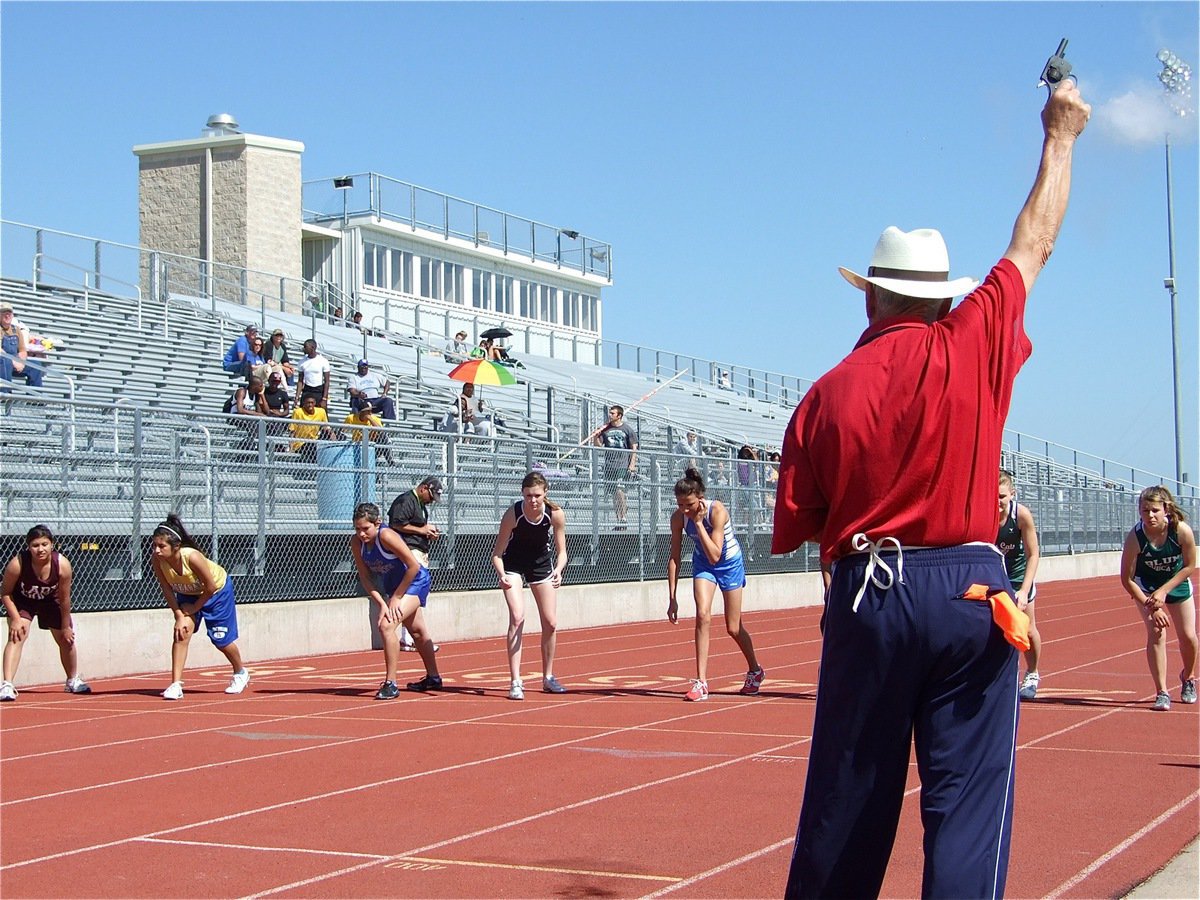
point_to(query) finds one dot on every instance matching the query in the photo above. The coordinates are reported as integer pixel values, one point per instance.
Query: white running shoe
(76, 685)
(8, 693)
(239, 681)
(174, 691)
(517, 691)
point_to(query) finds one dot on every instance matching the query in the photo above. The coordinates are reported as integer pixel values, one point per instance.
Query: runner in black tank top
(1018, 541)
(531, 546)
(37, 584)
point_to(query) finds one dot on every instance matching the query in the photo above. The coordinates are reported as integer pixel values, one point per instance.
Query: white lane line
(524, 820)
(724, 867)
(174, 842)
(297, 801)
(1121, 847)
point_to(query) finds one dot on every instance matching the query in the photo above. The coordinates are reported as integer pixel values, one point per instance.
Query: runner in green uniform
(1156, 569)
(1018, 541)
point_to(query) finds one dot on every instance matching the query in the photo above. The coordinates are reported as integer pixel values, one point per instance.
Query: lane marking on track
(1120, 848)
(222, 846)
(724, 867)
(650, 754)
(297, 801)
(553, 870)
(482, 832)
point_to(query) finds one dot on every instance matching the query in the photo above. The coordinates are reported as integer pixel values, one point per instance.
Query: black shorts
(619, 474)
(47, 612)
(535, 575)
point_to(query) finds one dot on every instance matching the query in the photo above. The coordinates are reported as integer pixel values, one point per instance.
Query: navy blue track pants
(915, 662)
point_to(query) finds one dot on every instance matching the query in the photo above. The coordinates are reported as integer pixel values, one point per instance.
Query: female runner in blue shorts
(399, 584)
(196, 589)
(531, 547)
(716, 563)
(1157, 563)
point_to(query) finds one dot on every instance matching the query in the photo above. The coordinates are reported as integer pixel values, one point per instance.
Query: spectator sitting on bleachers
(278, 402)
(456, 350)
(237, 357)
(15, 358)
(309, 424)
(248, 400)
(277, 359)
(314, 372)
(365, 416)
(486, 350)
(369, 390)
(471, 415)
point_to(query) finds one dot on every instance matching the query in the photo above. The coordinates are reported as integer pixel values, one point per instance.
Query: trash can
(342, 484)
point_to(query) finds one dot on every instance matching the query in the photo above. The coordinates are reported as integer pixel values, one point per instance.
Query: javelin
(632, 406)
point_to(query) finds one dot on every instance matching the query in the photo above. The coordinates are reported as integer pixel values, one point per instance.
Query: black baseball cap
(434, 485)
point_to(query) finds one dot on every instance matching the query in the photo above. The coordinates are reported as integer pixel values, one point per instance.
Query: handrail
(47, 371)
(39, 257)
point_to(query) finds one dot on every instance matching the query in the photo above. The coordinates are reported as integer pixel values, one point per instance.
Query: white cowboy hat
(912, 263)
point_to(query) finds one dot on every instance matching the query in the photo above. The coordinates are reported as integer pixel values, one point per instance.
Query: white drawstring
(862, 544)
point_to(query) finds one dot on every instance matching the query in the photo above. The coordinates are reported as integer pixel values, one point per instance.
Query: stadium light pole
(1176, 79)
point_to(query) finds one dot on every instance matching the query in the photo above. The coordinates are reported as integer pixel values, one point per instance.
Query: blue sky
(733, 154)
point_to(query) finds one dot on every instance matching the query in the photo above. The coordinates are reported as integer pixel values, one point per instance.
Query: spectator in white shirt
(369, 389)
(314, 376)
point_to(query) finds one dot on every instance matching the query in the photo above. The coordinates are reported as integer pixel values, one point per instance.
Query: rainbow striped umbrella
(482, 371)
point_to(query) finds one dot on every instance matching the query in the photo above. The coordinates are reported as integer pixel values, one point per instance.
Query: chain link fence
(275, 508)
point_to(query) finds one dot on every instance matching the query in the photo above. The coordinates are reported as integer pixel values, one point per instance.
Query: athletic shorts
(419, 588)
(533, 576)
(728, 575)
(1171, 598)
(1016, 587)
(618, 474)
(47, 612)
(219, 615)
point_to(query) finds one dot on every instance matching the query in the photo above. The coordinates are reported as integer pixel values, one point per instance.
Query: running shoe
(1029, 685)
(754, 680)
(428, 683)
(552, 685)
(517, 691)
(76, 685)
(8, 693)
(1188, 694)
(174, 691)
(387, 691)
(238, 683)
(1162, 701)
(408, 648)
(698, 690)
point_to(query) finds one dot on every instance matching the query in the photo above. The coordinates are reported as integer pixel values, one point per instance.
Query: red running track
(306, 787)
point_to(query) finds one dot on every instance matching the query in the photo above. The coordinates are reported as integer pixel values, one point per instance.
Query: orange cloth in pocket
(1013, 622)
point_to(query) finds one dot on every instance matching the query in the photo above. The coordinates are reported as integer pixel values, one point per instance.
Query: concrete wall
(124, 643)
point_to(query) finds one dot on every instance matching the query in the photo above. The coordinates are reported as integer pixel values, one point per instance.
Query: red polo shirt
(902, 438)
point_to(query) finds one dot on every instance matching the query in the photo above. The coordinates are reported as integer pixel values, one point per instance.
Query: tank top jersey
(528, 549)
(382, 562)
(32, 589)
(185, 582)
(1156, 565)
(1009, 541)
(729, 551)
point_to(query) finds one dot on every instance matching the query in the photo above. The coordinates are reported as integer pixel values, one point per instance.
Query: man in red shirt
(890, 463)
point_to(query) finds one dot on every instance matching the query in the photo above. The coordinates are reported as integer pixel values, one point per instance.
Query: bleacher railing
(275, 509)
(105, 263)
(373, 194)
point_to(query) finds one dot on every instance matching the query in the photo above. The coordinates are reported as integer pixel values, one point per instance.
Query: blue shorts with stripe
(918, 662)
(219, 614)
(729, 574)
(419, 587)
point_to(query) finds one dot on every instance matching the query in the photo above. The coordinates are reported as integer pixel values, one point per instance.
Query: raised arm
(1063, 120)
